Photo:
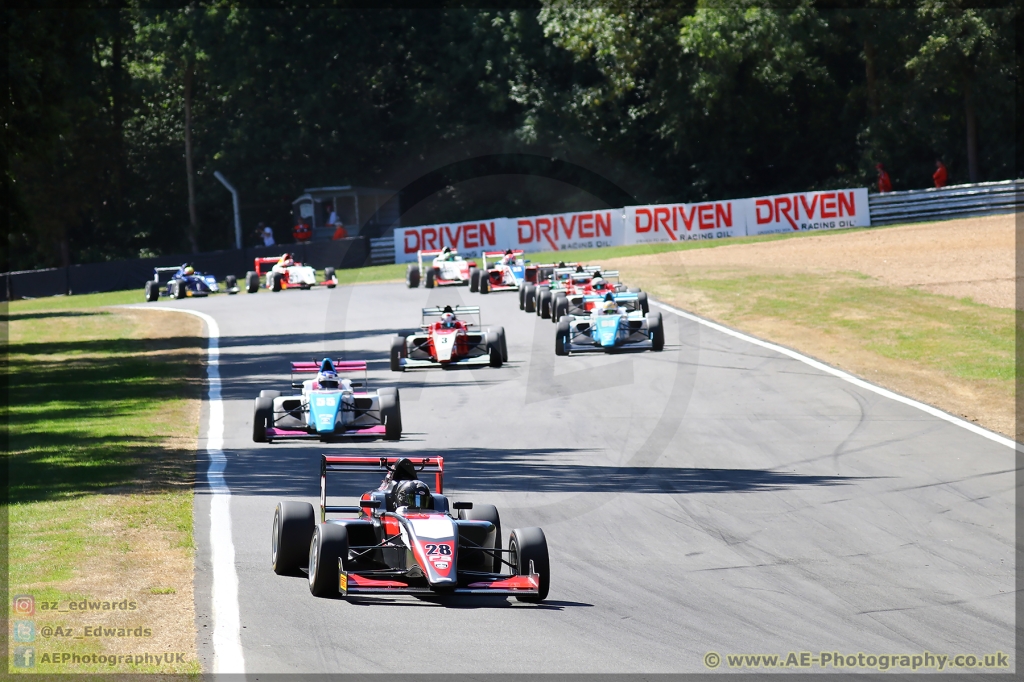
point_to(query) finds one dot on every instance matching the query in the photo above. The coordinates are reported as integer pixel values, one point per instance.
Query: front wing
(478, 356)
(581, 342)
(353, 584)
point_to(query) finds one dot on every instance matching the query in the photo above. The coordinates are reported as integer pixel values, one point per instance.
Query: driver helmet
(597, 282)
(189, 270)
(609, 307)
(445, 252)
(448, 320)
(414, 495)
(327, 379)
(579, 268)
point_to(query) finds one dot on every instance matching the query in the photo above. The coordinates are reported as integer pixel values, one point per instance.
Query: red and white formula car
(507, 272)
(294, 276)
(446, 268)
(449, 337)
(404, 539)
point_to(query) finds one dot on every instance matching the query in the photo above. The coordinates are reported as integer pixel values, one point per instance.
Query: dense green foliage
(668, 101)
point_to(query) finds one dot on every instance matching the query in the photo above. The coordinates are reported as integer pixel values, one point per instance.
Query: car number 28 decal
(442, 548)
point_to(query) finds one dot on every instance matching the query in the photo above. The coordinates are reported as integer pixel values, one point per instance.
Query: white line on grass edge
(227, 642)
(934, 411)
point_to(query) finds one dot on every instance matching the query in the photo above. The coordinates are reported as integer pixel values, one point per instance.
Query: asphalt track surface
(717, 496)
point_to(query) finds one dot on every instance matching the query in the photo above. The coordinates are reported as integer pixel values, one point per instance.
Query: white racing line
(934, 411)
(227, 642)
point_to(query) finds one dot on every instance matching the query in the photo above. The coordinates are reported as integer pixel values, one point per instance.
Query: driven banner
(469, 239)
(826, 210)
(684, 222)
(567, 231)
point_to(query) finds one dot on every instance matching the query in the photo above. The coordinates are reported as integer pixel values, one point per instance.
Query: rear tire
(485, 283)
(431, 276)
(474, 280)
(412, 276)
(230, 282)
(529, 544)
(486, 512)
(657, 331)
(262, 418)
(530, 298)
(275, 281)
(522, 295)
(500, 331)
(270, 394)
(294, 523)
(329, 543)
(398, 351)
(252, 282)
(390, 414)
(561, 337)
(152, 291)
(494, 349)
(641, 298)
(330, 278)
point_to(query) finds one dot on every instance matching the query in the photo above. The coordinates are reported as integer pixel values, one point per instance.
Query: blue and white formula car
(182, 281)
(609, 327)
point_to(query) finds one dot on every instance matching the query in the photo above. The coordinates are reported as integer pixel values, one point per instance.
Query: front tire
(485, 283)
(657, 331)
(530, 298)
(230, 282)
(544, 304)
(529, 544)
(522, 295)
(390, 414)
(641, 298)
(412, 276)
(330, 279)
(431, 277)
(328, 545)
(500, 331)
(398, 351)
(275, 281)
(152, 291)
(561, 337)
(494, 349)
(262, 418)
(485, 512)
(252, 282)
(294, 523)
(560, 308)
(474, 280)
(178, 289)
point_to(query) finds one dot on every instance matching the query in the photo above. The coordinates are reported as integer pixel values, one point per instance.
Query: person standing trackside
(884, 183)
(941, 175)
(266, 234)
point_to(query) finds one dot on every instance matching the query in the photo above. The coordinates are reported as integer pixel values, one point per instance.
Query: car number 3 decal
(446, 550)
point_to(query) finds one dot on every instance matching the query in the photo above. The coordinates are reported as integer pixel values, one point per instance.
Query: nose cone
(444, 344)
(607, 329)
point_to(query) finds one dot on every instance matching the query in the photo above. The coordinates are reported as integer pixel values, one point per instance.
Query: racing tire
(412, 276)
(262, 417)
(230, 282)
(522, 296)
(641, 298)
(294, 523)
(398, 351)
(474, 280)
(657, 331)
(485, 283)
(526, 545)
(494, 349)
(329, 278)
(562, 337)
(485, 512)
(178, 289)
(390, 414)
(152, 291)
(252, 282)
(328, 544)
(431, 277)
(275, 281)
(500, 331)
(530, 298)
(544, 304)
(559, 308)
(633, 290)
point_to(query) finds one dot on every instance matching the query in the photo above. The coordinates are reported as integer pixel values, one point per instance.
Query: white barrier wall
(684, 222)
(566, 231)
(828, 210)
(825, 210)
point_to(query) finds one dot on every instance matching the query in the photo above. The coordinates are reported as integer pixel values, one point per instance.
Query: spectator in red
(884, 183)
(941, 175)
(340, 232)
(302, 232)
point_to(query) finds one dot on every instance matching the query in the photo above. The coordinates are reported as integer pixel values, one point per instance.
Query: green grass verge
(101, 451)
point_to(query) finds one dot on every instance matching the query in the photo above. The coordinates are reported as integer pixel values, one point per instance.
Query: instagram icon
(24, 605)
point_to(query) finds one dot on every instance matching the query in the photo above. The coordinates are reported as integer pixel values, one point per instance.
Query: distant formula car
(446, 268)
(449, 337)
(580, 295)
(504, 274)
(178, 282)
(327, 406)
(609, 327)
(404, 539)
(295, 276)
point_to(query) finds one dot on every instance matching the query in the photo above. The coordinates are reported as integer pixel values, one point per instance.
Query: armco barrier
(133, 273)
(957, 201)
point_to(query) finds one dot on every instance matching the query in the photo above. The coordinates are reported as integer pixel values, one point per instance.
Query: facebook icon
(24, 657)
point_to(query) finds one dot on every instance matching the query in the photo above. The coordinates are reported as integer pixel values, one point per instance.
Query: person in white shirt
(268, 235)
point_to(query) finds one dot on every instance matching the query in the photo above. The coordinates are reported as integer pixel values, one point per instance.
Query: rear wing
(370, 465)
(343, 367)
(627, 300)
(164, 270)
(460, 312)
(430, 254)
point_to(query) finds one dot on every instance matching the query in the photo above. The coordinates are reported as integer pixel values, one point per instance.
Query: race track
(717, 496)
